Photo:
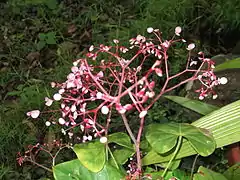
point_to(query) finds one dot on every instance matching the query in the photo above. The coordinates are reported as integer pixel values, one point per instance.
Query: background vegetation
(39, 39)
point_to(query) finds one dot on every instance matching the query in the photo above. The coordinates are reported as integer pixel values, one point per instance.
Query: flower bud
(142, 114)
(103, 139)
(150, 30)
(105, 110)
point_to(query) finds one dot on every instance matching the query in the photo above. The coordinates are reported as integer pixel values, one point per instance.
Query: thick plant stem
(138, 152)
(125, 121)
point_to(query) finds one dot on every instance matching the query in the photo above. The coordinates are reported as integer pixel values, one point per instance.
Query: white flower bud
(85, 138)
(201, 97)
(73, 108)
(142, 114)
(150, 30)
(34, 114)
(57, 97)
(47, 123)
(223, 80)
(178, 30)
(89, 137)
(105, 110)
(103, 139)
(215, 96)
(91, 48)
(61, 121)
(191, 46)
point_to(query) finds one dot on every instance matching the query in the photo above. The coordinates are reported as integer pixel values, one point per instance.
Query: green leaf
(224, 124)
(40, 45)
(51, 4)
(14, 93)
(51, 38)
(233, 173)
(121, 156)
(74, 170)
(180, 174)
(92, 155)
(163, 137)
(229, 64)
(121, 139)
(206, 174)
(71, 170)
(42, 36)
(197, 106)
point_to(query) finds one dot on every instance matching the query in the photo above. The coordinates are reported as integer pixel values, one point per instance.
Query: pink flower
(91, 48)
(142, 114)
(34, 114)
(104, 110)
(150, 30)
(57, 97)
(48, 102)
(178, 30)
(61, 121)
(190, 47)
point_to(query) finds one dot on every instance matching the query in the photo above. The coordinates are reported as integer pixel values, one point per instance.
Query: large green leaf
(206, 174)
(224, 124)
(233, 173)
(74, 170)
(229, 64)
(92, 155)
(164, 137)
(121, 139)
(197, 106)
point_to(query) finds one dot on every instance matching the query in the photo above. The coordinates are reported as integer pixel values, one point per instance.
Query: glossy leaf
(163, 137)
(224, 124)
(121, 139)
(206, 174)
(74, 170)
(233, 173)
(92, 155)
(229, 64)
(197, 106)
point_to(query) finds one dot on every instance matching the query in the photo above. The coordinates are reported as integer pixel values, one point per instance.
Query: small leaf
(163, 137)
(51, 38)
(197, 106)
(92, 155)
(229, 64)
(14, 93)
(42, 36)
(41, 45)
(206, 174)
(121, 139)
(74, 170)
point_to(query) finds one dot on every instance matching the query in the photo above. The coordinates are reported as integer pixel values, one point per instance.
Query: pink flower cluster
(118, 79)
